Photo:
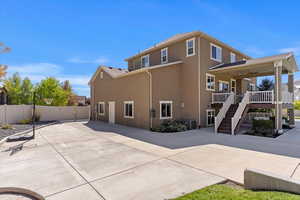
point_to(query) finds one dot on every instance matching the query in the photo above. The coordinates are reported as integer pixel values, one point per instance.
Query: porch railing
(261, 96)
(223, 111)
(238, 114)
(220, 97)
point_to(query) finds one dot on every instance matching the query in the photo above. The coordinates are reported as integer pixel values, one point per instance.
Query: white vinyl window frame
(223, 82)
(129, 103)
(232, 57)
(162, 55)
(218, 57)
(208, 87)
(147, 58)
(101, 103)
(171, 109)
(251, 87)
(210, 113)
(187, 47)
(231, 81)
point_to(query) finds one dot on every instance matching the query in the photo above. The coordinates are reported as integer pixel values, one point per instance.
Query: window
(210, 117)
(251, 87)
(190, 47)
(165, 109)
(164, 55)
(210, 82)
(145, 61)
(233, 85)
(215, 53)
(232, 57)
(129, 109)
(101, 108)
(101, 75)
(223, 86)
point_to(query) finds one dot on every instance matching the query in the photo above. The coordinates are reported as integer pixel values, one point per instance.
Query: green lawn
(224, 192)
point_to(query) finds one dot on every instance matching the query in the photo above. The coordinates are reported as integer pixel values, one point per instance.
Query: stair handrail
(238, 114)
(223, 111)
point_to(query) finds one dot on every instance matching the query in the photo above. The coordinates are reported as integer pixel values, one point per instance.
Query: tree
(2, 71)
(26, 91)
(71, 95)
(13, 87)
(266, 84)
(50, 88)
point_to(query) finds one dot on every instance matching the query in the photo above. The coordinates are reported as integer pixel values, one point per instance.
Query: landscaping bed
(11, 129)
(235, 192)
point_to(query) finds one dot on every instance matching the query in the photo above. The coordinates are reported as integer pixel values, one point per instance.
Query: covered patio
(276, 66)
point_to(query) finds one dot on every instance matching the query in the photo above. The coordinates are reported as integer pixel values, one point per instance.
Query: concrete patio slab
(161, 179)
(84, 192)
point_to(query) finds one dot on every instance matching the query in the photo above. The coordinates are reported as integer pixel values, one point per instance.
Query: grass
(225, 192)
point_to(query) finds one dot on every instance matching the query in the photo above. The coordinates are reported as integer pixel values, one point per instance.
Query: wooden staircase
(225, 126)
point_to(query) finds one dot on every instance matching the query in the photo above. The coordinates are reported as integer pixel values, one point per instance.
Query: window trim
(161, 55)
(124, 110)
(148, 55)
(165, 102)
(209, 110)
(101, 103)
(232, 80)
(226, 82)
(253, 85)
(232, 54)
(209, 89)
(186, 47)
(215, 59)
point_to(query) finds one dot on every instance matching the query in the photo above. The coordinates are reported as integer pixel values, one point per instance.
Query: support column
(291, 112)
(278, 97)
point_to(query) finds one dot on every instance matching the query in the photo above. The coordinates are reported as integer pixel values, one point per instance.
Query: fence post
(5, 113)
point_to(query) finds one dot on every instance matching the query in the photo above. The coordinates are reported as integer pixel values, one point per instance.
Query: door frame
(112, 113)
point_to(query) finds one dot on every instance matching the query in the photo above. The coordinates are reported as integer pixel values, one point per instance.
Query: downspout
(150, 98)
(199, 83)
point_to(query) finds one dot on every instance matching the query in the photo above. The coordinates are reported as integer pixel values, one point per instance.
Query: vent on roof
(120, 69)
(110, 67)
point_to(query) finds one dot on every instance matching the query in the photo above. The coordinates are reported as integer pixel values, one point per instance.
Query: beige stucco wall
(129, 88)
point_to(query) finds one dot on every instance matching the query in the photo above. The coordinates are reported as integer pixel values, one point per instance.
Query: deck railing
(261, 96)
(220, 97)
(238, 114)
(223, 111)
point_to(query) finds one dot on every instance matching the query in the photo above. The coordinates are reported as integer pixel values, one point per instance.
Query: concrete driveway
(95, 160)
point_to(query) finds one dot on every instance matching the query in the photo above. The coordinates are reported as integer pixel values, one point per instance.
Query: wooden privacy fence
(15, 113)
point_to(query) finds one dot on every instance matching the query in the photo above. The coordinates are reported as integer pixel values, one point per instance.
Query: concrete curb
(27, 131)
(22, 191)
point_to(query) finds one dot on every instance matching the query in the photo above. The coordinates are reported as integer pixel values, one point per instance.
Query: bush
(6, 126)
(170, 126)
(25, 121)
(264, 127)
(297, 105)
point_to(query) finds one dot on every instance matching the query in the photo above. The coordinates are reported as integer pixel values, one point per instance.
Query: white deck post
(278, 97)
(291, 112)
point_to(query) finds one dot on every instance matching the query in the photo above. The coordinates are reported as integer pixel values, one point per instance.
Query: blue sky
(68, 39)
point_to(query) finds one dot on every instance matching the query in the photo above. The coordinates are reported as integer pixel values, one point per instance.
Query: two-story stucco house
(190, 76)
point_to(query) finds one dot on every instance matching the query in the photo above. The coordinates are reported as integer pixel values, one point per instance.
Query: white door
(111, 112)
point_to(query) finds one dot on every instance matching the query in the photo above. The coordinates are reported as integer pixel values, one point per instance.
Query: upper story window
(164, 55)
(128, 109)
(251, 87)
(190, 47)
(101, 75)
(145, 61)
(232, 57)
(223, 86)
(215, 52)
(210, 82)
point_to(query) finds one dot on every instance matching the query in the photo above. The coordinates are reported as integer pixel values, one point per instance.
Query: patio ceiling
(256, 67)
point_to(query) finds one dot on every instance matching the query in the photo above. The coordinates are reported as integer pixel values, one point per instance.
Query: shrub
(6, 126)
(25, 121)
(170, 126)
(297, 105)
(263, 126)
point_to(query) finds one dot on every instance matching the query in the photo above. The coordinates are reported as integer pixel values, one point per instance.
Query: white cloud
(295, 50)
(76, 60)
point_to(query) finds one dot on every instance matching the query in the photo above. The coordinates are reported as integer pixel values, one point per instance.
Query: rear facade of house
(173, 80)
(169, 81)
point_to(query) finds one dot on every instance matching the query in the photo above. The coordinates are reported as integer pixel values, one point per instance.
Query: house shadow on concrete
(205, 136)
